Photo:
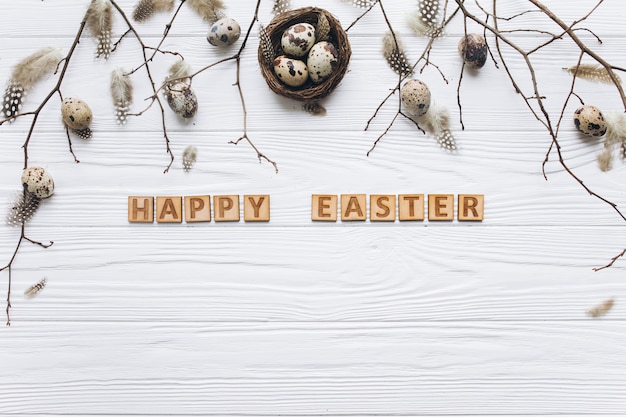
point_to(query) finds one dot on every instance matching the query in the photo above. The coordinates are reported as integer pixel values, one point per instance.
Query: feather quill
(281, 6)
(592, 72)
(25, 75)
(393, 51)
(36, 288)
(190, 154)
(23, 208)
(210, 10)
(99, 18)
(601, 309)
(122, 94)
(145, 9)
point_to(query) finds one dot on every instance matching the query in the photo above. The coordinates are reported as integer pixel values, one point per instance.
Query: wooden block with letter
(256, 208)
(471, 207)
(226, 208)
(141, 209)
(411, 207)
(197, 208)
(353, 207)
(382, 207)
(169, 209)
(324, 207)
(440, 207)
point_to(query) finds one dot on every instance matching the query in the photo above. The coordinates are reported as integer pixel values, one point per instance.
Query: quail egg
(298, 39)
(322, 61)
(37, 181)
(290, 71)
(415, 97)
(473, 50)
(590, 121)
(181, 99)
(224, 32)
(77, 116)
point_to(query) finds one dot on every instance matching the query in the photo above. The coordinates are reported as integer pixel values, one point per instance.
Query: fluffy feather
(601, 309)
(315, 109)
(23, 208)
(266, 46)
(25, 75)
(179, 69)
(209, 10)
(362, 4)
(592, 72)
(436, 122)
(281, 6)
(36, 288)
(100, 23)
(615, 136)
(393, 51)
(121, 93)
(190, 154)
(145, 9)
(322, 31)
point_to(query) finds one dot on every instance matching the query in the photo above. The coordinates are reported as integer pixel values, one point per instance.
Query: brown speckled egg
(473, 49)
(181, 99)
(76, 114)
(590, 121)
(290, 71)
(37, 181)
(298, 39)
(322, 61)
(224, 32)
(415, 97)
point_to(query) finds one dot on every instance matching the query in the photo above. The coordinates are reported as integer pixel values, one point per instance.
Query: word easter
(324, 207)
(410, 207)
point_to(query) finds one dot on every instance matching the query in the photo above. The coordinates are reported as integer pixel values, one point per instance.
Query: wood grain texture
(301, 318)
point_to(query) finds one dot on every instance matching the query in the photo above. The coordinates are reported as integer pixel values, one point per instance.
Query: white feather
(616, 128)
(436, 122)
(121, 93)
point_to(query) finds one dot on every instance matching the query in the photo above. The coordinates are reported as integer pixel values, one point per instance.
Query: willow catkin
(121, 93)
(100, 23)
(25, 75)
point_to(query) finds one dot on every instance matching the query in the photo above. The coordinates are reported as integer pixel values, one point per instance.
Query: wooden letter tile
(324, 207)
(441, 207)
(197, 208)
(471, 207)
(226, 208)
(169, 209)
(256, 208)
(141, 209)
(353, 207)
(411, 207)
(383, 208)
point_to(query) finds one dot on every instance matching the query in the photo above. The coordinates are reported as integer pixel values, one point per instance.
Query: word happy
(324, 208)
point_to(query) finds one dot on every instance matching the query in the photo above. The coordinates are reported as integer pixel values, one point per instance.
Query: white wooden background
(292, 317)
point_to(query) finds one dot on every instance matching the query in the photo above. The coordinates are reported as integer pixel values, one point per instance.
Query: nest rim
(309, 92)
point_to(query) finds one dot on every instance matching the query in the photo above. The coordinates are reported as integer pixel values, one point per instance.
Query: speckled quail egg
(415, 97)
(181, 99)
(473, 49)
(322, 61)
(77, 116)
(38, 181)
(590, 121)
(224, 32)
(290, 71)
(298, 39)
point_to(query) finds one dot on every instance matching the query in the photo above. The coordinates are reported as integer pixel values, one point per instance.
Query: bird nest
(270, 48)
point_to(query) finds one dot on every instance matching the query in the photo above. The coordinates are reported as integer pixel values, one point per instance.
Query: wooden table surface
(295, 317)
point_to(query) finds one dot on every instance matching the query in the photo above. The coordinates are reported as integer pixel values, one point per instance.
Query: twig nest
(77, 116)
(224, 32)
(298, 39)
(415, 96)
(473, 49)
(181, 99)
(590, 121)
(292, 72)
(295, 34)
(322, 61)
(38, 181)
